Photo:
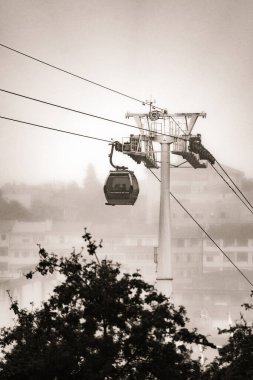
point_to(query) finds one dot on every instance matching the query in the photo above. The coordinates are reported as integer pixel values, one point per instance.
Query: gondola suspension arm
(110, 156)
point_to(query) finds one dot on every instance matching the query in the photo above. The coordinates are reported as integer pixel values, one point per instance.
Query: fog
(189, 56)
(55, 216)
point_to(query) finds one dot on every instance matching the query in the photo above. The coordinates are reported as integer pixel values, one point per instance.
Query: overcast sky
(190, 55)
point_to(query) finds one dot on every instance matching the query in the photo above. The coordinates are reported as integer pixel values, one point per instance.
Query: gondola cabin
(121, 188)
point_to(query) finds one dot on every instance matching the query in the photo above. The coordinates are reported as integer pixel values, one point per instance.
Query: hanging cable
(234, 184)
(206, 233)
(79, 76)
(104, 140)
(196, 147)
(91, 82)
(232, 189)
(70, 133)
(54, 129)
(84, 113)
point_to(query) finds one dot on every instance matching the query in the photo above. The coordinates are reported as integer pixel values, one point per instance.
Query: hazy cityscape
(55, 215)
(78, 79)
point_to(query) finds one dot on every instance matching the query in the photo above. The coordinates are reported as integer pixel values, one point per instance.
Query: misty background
(189, 56)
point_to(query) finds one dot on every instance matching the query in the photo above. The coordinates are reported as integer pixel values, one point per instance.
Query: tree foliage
(12, 210)
(235, 360)
(98, 323)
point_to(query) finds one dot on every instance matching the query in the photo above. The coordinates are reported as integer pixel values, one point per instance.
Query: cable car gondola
(121, 186)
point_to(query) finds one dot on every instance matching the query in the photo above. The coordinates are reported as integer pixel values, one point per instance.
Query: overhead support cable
(206, 233)
(234, 184)
(196, 147)
(233, 189)
(84, 113)
(68, 132)
(54, 129)
(79, 76)
(109, 141)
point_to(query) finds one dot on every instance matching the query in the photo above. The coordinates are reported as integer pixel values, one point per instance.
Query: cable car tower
(168, 130)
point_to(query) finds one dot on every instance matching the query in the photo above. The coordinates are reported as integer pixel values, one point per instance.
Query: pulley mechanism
(194, 152)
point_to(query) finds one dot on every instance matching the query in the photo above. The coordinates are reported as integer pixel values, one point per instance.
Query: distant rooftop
(31, 227)
(6, 225)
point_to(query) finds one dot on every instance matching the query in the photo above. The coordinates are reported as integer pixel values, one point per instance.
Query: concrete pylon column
(164, 266)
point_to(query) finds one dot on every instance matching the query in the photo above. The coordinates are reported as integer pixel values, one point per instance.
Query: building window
(180, 242)
(3, 266)
(209, 258)
(229, 242)
(242, 242)
(242, 256)
(194, 242)
(3, 251)
(3, 237)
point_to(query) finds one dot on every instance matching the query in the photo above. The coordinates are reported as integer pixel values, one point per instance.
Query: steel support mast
(164, 265)
(167, 129)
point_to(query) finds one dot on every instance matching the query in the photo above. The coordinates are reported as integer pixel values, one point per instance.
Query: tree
(235, 360)
(98, 324)
(92, 200)
(11, 210)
